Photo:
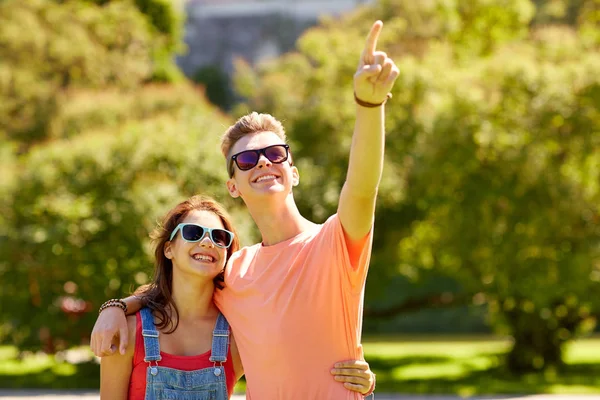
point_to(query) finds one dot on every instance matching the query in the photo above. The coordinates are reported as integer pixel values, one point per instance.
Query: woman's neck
(193, 297)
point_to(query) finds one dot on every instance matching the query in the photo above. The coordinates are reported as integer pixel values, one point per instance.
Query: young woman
(180, 345)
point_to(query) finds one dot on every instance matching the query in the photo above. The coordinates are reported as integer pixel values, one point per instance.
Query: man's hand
(111, 324)
(376, 72)
(355, 374)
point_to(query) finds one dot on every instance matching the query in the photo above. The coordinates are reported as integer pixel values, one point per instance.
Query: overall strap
(150, 334)
(220, 341)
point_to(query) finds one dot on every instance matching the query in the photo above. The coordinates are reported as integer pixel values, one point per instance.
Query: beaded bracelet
(113, 303)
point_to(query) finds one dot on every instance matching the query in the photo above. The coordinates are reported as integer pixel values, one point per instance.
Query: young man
(295, 300)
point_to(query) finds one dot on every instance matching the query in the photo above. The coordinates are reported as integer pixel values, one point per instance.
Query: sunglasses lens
(276, 154)
(192, 233)
(221, 237)
(247, 160)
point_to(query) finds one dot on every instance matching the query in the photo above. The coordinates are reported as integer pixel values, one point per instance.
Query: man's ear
(295, 176)
(232, 188)
(167, 251)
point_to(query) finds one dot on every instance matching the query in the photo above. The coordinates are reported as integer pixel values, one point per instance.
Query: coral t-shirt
(137, 382)
(295, 309)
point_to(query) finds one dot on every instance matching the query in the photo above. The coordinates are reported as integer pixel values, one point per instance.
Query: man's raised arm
(373, 81)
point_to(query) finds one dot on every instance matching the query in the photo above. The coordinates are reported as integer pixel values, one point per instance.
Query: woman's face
(203, 257)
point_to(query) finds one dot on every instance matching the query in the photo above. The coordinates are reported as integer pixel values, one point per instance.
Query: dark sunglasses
(193, 233)
(246, 160)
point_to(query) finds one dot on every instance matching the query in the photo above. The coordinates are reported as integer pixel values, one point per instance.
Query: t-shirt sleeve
(354, 261)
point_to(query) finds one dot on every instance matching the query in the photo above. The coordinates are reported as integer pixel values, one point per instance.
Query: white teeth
(202, 257)
(265, 177)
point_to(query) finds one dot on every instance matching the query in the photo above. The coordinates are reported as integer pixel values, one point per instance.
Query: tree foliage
(92, 154)
(492, 163)
(48, 49)
(491, 179)
(85, 205)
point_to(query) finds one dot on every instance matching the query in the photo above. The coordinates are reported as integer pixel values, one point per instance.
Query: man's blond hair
(247, 125)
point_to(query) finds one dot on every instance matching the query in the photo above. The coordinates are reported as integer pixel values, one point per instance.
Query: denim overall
(164, 383)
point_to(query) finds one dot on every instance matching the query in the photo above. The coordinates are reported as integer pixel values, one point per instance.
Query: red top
(137, 382)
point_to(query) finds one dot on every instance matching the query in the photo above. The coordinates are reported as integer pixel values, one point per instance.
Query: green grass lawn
(43, 371)
(463, 366)
(470, 366)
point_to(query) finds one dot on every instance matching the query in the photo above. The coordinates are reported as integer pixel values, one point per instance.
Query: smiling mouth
(203, 257)
(265, 178)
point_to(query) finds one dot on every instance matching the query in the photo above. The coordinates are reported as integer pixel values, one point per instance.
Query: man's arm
(111, 324)
(373, 81)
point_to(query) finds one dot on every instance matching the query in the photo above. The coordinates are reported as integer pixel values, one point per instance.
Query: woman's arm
(115, 372)
(355, 375)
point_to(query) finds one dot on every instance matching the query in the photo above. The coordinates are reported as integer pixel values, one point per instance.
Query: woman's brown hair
(158, 295)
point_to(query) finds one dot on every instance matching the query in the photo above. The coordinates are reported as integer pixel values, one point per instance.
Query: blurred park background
(485, 276)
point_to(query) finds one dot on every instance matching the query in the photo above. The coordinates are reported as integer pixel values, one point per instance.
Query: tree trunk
(539, 342)
(535, 348)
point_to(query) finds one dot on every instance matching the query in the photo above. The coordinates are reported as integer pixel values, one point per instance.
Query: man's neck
(278, 221)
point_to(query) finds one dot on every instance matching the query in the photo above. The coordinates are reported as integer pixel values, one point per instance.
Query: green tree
(84, 207)
(166, 24)
(48, 49)
(510, 200)
(216, 85)
(491, 174)
(93, 150)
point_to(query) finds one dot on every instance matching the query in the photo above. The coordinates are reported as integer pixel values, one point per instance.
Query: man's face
(266, 177)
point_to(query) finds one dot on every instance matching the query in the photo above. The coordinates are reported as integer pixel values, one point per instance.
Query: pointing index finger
(371, 43)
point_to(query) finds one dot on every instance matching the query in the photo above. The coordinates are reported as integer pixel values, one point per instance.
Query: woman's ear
(167, 251)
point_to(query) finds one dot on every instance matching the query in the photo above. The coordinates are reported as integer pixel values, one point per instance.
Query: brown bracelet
(371, 105)
(113, 303)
